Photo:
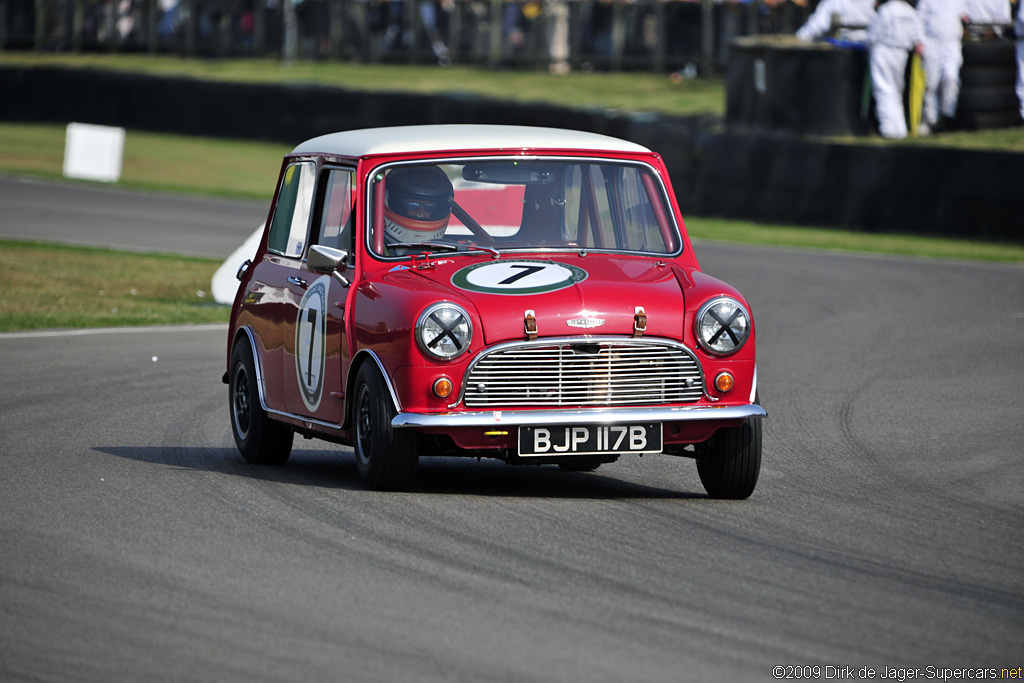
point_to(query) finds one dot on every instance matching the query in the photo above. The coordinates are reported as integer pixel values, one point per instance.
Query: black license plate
(590, 439)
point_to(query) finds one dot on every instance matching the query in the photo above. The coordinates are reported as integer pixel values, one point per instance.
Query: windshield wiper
(437, 246)
(447, 246)
(475, 247)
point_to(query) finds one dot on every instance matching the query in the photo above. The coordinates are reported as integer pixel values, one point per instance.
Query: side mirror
(329, 260)
(242, 269)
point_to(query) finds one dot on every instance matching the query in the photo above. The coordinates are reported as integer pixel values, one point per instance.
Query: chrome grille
(584, 373)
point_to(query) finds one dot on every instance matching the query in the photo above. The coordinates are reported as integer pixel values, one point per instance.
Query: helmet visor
(420, 208)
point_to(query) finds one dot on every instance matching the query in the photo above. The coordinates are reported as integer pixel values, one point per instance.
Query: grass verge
(743, 232)
(153, 161)
(45, 286)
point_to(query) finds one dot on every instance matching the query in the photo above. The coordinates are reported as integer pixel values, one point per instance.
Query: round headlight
(723, 326)
(444, 331)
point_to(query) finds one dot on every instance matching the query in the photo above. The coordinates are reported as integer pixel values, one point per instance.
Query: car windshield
(520, 204)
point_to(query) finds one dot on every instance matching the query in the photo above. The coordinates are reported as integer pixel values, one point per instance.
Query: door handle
(298, 281)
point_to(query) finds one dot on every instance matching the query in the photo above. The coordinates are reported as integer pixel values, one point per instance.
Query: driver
(417, 204)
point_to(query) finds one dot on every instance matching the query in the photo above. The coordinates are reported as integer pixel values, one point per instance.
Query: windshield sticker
(518, 277)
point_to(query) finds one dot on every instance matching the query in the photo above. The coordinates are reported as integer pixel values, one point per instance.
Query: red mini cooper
(526, 294)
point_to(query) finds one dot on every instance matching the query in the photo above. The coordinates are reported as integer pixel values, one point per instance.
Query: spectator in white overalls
(943, 57)
(1020, 59)
(996, 12)
(894, 32)
(850, 12)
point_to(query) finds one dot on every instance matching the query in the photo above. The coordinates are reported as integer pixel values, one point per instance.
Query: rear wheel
(730, 462)
(260, 440)
(386, 457)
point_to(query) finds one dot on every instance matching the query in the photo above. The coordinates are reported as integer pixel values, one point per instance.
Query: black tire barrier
(784, 85)
(924, 190)
(1000, 52)
(771, 178)
(988, 98)
(988, 75)
(984, 120)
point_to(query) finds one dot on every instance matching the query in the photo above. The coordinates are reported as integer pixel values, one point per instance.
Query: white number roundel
(518, 277)
(310, 342)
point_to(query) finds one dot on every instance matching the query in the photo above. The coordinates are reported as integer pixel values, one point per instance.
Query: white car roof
(459, 137)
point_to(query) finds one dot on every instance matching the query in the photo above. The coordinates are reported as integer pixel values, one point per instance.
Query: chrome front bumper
(515, 418)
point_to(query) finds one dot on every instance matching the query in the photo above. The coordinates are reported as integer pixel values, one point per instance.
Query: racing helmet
(417, 204)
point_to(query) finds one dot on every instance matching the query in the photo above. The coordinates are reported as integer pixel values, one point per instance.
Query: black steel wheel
(260, 440)
(386, 457)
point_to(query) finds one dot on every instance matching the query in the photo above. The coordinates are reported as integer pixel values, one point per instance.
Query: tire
(730, 461)
(386, 457)
(998, 52)
(984, 75)
(988, 98)
(260, 440)
(983, 120)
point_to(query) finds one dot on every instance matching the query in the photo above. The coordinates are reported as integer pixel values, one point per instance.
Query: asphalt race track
(886, 531)
(91, 214)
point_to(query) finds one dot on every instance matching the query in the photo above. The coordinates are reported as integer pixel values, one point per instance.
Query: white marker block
(93, 152)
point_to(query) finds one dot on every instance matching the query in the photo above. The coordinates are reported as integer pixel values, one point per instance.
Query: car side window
(610, 206)
(641, 225)
(586, 192)
(291, 217)
(337, 217)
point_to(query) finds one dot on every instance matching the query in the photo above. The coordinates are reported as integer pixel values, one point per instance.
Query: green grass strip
(50, 286)
(744, 232)
(154, 161)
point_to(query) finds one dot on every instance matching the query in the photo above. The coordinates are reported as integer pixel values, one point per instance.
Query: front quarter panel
(384, 314)
(699, 288)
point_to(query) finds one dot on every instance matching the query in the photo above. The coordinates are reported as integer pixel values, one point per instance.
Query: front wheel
(386, 457)
(730, 462)
(260, 440)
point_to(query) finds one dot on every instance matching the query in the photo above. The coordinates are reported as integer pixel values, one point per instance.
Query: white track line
(113, 330)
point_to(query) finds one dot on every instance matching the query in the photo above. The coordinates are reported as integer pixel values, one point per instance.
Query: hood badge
(585, 323)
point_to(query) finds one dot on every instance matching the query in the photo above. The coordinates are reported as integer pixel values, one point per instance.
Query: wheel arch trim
(368, 356)
(257, 361)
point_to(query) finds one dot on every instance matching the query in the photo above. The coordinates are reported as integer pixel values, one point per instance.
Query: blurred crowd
(562, 34)
(680, 37)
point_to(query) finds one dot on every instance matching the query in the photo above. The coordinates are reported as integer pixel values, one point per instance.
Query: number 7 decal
(311, 318)
(518, 278)
(311, 342)
(526, 272)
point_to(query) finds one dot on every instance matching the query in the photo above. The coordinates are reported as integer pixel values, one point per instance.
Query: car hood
(569, 295)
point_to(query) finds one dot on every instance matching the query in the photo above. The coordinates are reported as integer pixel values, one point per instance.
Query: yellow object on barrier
(916, 96)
